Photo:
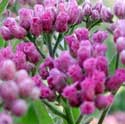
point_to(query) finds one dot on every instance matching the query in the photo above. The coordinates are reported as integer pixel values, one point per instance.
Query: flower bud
(122, 57)
(102, 101)
(95, 15)
(35, 94)
(19, 107)
(5, 118)
(25, 16)
(87, 107)
(82, 34)
(37, 79)
(18, 31)
(8, 70)
(21, 75)
(120, 44)
(106, 14)
(100, 36)
(38, 10)
(26, 87)
(36, 26)
(9, 91)
(119, 9)
(61, 24)
(5, 33)
(47, 20)
(75, 72)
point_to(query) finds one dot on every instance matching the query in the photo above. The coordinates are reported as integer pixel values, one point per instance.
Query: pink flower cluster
(24, 57)
(81, 75)
(52, 16)
(15, 87)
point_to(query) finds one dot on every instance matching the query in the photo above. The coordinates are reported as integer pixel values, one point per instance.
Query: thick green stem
(69, 115)
(93, 24)
(47, 38)
(104, 113)
(60, 36)
(79, 119)
(54, 109)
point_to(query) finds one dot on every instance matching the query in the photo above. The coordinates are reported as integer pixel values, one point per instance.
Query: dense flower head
(15, 87)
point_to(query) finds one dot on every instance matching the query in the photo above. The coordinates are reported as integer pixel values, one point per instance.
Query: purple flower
(5, 33)
(82, 34)
(67, 60)
(38, 10)
(25, 16)
(5, 118)
(87, 107)
(122, 57)
(100, 36)
(75, 72)
(36, 26)
(19, 107)
(120, 44)
(102, 101)
(61, 24)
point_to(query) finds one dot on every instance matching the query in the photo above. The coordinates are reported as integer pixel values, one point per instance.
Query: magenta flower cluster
(81, 75)
(52, 16)
(16, 87)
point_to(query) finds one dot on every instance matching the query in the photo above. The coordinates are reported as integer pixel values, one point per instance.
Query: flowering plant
(56, 61)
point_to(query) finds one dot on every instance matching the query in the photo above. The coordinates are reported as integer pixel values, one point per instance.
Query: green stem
(94, 24)
(79, 119)
(47, 38)
(69, 115)
(104, 113)
(57, 43)
(54, 109)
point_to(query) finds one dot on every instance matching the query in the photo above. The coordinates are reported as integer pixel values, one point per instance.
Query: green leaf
(76, 112)
(37, 114)
(3, 5)
(2, 42)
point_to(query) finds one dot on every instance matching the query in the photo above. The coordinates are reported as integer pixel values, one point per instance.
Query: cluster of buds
(119, 38)
(97, 12)
(81, 75)
(24, 57)
(16, 87)
(52, 16)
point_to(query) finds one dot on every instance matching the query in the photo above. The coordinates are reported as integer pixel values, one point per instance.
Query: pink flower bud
(106, 14)
(19, 59)
(82, 34)
(8, 70)
(61, 24)
(5, 118)
(102, 101)
(19, 107)
(67, 60)
(122, 57)
(43, 71)
(87, 9)
(119, 9)
(99, 80)
(5, 33)
(89, 65)
(74, 13)
(9, 22)
(120, 44)
(25, 16)
(71, 93)
(9, 91)
(26, 87)
(95, 15)
(56, 80)
(35, 94)
(49, 62)
(37, 79)
(47, 20)
(36, 26)
(75, 72)
(100, 36)
(102, 64)
(49, 3)
(21, 75)
(38, 10)
(88, 89)
(87, 108)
